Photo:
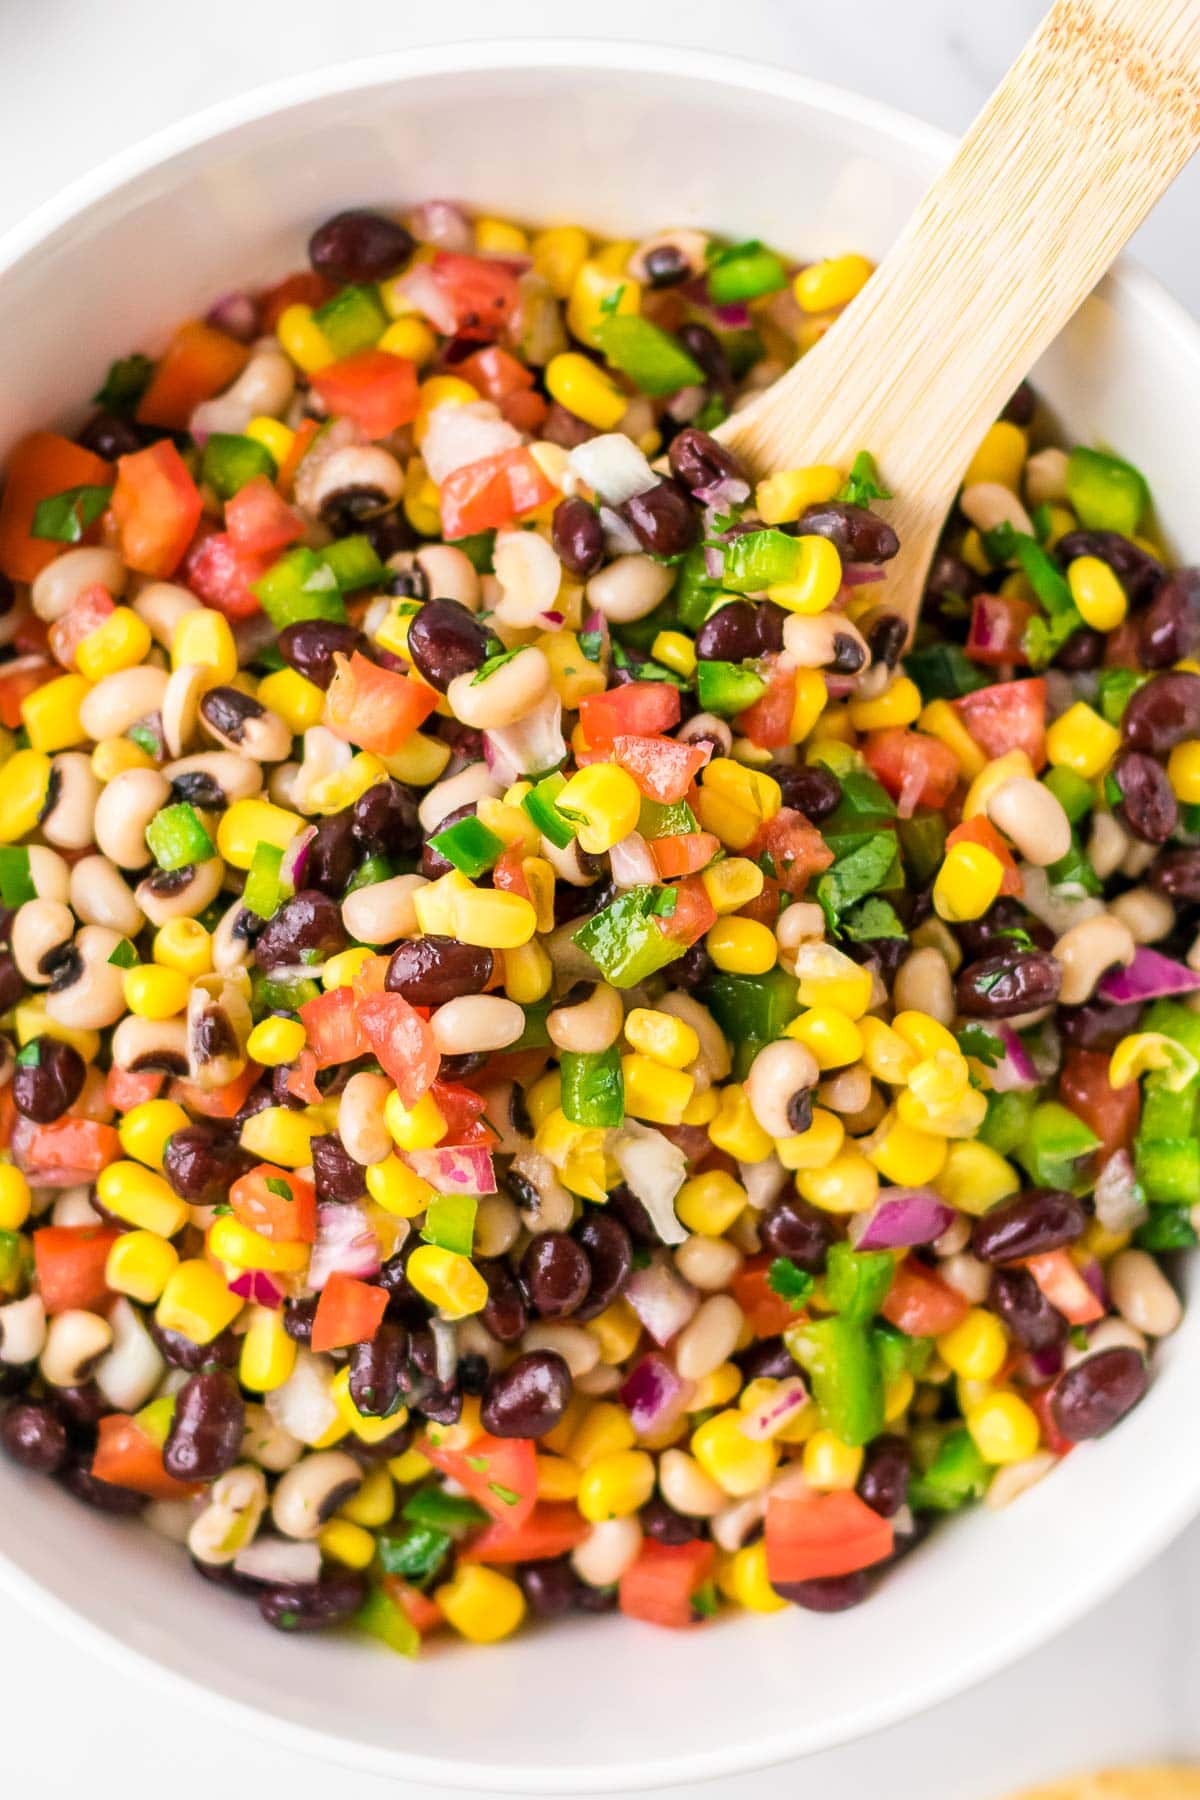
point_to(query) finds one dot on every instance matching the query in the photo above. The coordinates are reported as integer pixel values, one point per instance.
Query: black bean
(992, 931)
(336, 1175)
(565, 428)
(624, 1204)
(389, 532)
(767, 1360)
(333, 854)
(730, 634)
(795, 1229)
(222, 1352)
(201, 1163)
(298, 1316)
(883, 1483)
(33, 1435)
(1028, 1316)
(377, 1370)
(1162, 713)
(1138, 572)
(666, 1526)
(666, 266)
(446, 640)
(307, 929)
(314, 1606)
(1148, 804)
(551, 1587)
(577, 536)
(1001, 987)
(42, 1090)
(385, 819)
(504, 1314)
(704, 346)
(359, 246)
(556, 1274)
(206, 1429)
(78, 1479)
(699, 461)
(1089, 1399)
(1032, 1222)
(433, 863)
(828, 1593)
(856, 534)
(108, 436)
(1176, 873)
(609, 1250)
(1097, 1026)
(1169, 629)
(12, 987)
(950, 579)
(771, 621)
(596, 1600)
(310, 646)
(527, 1399)
(689, 971)
(808, 788)
(347, 510)
(1083, 650)
(662, 519)
(472, 1372)
(1021, 406)
(428, 971)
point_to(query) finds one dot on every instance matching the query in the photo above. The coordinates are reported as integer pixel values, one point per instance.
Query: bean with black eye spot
(205, 1437)
(314, 1606)
(699, 461)
(1169, 629)
(551, 1587)
(886, 634)
(1162, 713)
(336, 1175)
(577, 536)
(346, 511)
(504, 1313)
(377, 1370)
(428, 971)
(1024, 1310)
(662, 519)
(201, 1163)
(12, 988)
(43, 1090)
(808, 788)
(556, 1274)
(856, 534)
(458, 1068)
(307, 929)
(1148, 804)
(529, 1398)
(883, 1482)
(359, 245)
(310, 646)
(333, 854)
(794, 1229)
(1001, 987)
(472, 1373)
(1032, 1222)
(730, 634)
(661, 1522)
(34, 1436)
(385, 819)
(1091, 1397)
(446, 640)
(1176, 873)
(609, 1250)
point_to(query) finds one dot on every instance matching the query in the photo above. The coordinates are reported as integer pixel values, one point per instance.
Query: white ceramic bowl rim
(1166, 1512)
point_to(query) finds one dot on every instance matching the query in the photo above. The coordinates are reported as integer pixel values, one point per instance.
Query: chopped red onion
(1093, 1274)
(763, 1181)
(901, 1219)
(1045, 1364)
(1120, 1205)
(631, 862)
(236, 314)
(552, 621)
(442, 223)
(1150, 976)
(656, 1170)
(256, 1285)
(280, 1559)
(463, 1169)
(714, 562)
(445, 1346)
(661, 1298)
(860, 574)
(729, 491)
(346, 1244)
(839, 687)
(295, 859)
(653, 1394)
(1015, 1072)
(421, 288)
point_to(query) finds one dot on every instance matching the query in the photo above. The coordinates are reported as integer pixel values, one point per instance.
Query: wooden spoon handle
(1093, 121)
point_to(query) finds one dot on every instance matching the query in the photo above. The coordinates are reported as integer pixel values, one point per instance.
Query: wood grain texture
(1091, 124)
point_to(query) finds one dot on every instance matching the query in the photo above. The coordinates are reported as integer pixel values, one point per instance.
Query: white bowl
(623, 139)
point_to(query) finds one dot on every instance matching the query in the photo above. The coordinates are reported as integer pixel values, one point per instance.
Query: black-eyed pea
(125, 808)
(309, 1493)
(49, 872)
(141, 1044)
(629, 587)
(715, 1059)
(477, 1022)
(230, 943)
(161, 605)
(1148, 915)
(384, 911)
(69, 813)
(244, 725)
(685, 1486)
(590, 1026)
(121, 700)
(42, 931)
(181, 705)
(709, 1338)
(779, 1087)
(57, 587)
(497, 1226)
(442, 572)
(214, 778)
(1086, 950)
(1046, 477)
(708, 1263)
(74, 1341)
(180, 893)
(1142, 1294)
(1032, 818)
(923, 985)
(464, 789)
(87, 990)
(607, 1551)
(362, 1125)
(262, 390)
(100, 895)
(367, 472)
(1108, 843)
(988, 504)
(506, 693)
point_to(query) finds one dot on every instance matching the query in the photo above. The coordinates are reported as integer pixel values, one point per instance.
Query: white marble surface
(84, 79)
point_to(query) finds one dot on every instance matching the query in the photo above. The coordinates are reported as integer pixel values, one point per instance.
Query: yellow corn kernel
(606, 802)
(923, 1034)
(422, 507)
(16, 1201)
(1000, 457)
(592, 287)
(741, 946)
(375, 1501)
(957, 1118)
(1183, 772)
(822, 286)
(232, 1242)
(702, 1108)
(827, 977)
(397, 1188)
(557, 1479)
(112, 756)
(661, 1036)
(732, 883)
(558, 255)
(50, 715)
(275, 1041)
(897, 1396)
(829, 1464)
(440, 390)
(902, 1154)
(782, 497)
(676, 651)
(299, 703)
(887, 1056)
(268, 1353)
(991, 779)
(248, 823)
(735, 1129)
(709, 1203)
(967, 882)
(448, 1281)
(654, 1092)
(976, 1348)
(279, 1135)
(420, 761)
(119, 642)
(848, 1184)
(830, 1034)
(197, 1303)
(137, 1195)
(736, 802)
(1097, 593)
(818, 577)
(816, 1147)
(1081, 740)
(145, 1130)
(140, 1264)
(204, 636)
(975, 1177)
(543, 1098)
(491, 918)
(32, 1021)
(152, 992)
(901, 704)
(409, 1468)
(273, 435)
(342, 970)
(528, 973)
(418, 1128)
(410, 338)
(341, 789)
(617, 1330)
(24, 779)
(1004, 1428)
(367, 1428)
(738, 1464)
(585, 390)
(605, 1430)
(498, 237)
(510, 823)
(302, 339)
(940, 1079)
(742, 1578)
(572, 676)
(344, 1542)
(808, 707)
(1143, 1051)
(482, 1605)
(716, 1389)
(940, 720)
(185, 945)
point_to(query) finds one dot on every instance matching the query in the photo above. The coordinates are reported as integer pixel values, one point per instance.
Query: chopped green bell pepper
(727, 688)
(625, 940)
(1055, 1146)
(761, 559)
(16, 882)
(1105, 493)
(744, 272)
(944, 672)
(372, 869)
(839, 1358)
(1007, 1120)
(654, 361)
(230, 461)
(416, 1553)
(455, 1514)
(261, 894)
(593, 1087)
(857, 1281)
(354, 561)
(1168, 1228)
(450, 1222)
(923, 845)
(957, 1474)
(300, 585)
(695, 590)
(1168, 1169)
(353, 319)
(16, 1264)
(539, 805)
(1073, 793)
(898, 1353)
(470, 846)
(752, 1006)
(177, 837)
(383, 1618)
(658, 818)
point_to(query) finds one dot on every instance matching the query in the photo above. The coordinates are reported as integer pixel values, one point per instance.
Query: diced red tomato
(374, 388)
(764, 908)
(377, 709)
(821, 1535)
(349, 1311)
(259, 521)
(1009, 716)
(684, 854)
(998, 624)
(638, 709)
(277, 1203)
(301, 1082)
(84, 1146)
(767, 1313)
(222, 574)
(18, 680)
(156, 506)
(663, 768)
(483, 293)
(524, 411)
(488, 494)
(31, 636)
(70, 1262)
(552, 1529)
(694, 913)
(509, 873)
(331, 1025)
(463, 1109)
(198, 362)
(920, 1303)
(768, 722)
(659, 1585)
(980, 830)
(8, 1115)
(796, 848)
(403, 1042)
(494, 373)
(40, 466)
(126, 1458)
(915, 769)
(304, 288)
(1039, 1399)
(422, 1612)
(216, 1103)
(84, 616)
(499, 1473)
(1112, 1113)
(302, 441)
(127, 1088)
(1064, 1286)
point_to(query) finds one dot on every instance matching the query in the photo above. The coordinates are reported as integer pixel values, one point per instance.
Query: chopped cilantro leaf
(875, 918)
(978, 1042)
(278, 1187)
(863, 483)
(790, 1283)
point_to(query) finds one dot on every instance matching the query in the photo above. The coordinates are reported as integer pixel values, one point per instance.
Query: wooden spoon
(1092, 123)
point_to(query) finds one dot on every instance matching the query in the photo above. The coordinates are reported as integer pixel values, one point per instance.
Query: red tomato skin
(694, 913)
(70, 1262)
(222, 574)
(491, 493)
(197, 363)
(684, 854)
(283, 1221)
(998, 624)
(508, 1463)
(1009, 716)
(1064, 1286)
(494, 373)
(304, 288)
(156, 507)
(374, 388)
(86, 1145)
(403, 1042)
(638, 709)
(796, 848)
(126, 1458)
(41, 465)
(658, 1586)
(375, 708)
(259, 521)
(333, 1031)
(18, 680)
(482, 292)
(768, 722)
(349, 1311)
(215, 1103)
(921, 1304)
(552, 1529)
(127, 1088)
(1112, 1113)
(663, 768)
(915, 769)
(767, 1313)
(89, 611)
(822, 1535)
